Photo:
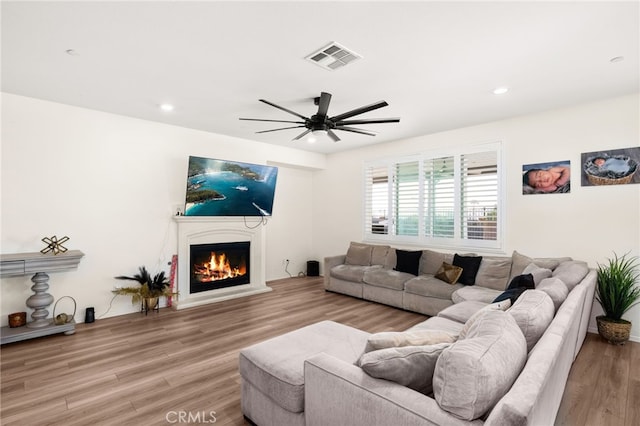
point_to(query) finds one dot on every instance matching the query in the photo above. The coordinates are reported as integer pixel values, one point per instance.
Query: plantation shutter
(439, 195)
(479, 195)
(407, 198)
(377, 199)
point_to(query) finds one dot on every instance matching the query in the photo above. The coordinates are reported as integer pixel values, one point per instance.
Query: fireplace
(219, 265)
(205, 246)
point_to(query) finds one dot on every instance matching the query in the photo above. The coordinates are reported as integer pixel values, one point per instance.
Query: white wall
(111, 184)
(589, 224)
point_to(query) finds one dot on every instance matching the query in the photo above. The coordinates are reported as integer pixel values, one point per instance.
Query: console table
(21, 264)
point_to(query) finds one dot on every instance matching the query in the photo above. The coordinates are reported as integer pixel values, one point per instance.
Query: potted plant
(150, 289)
(617, 292)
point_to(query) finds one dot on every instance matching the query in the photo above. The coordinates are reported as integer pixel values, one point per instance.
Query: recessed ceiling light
(166, 107)
(616, 59)
(71, 52)
(500, 90)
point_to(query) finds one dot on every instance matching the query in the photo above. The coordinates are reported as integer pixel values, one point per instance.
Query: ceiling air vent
(333, 56)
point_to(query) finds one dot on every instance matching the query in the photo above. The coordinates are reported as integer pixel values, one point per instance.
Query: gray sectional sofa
(473, 362)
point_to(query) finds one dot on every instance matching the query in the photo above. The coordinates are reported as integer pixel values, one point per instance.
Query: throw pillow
(358, 254)
(517, 286)
(448, 273)
(469, 265)
(538, 273)
(410, 366)
(393, 339)
(408, 261)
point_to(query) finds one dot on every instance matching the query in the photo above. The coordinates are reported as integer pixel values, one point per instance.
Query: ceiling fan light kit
(321, 121)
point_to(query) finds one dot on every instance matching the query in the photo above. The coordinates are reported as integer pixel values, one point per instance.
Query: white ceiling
(435, 63)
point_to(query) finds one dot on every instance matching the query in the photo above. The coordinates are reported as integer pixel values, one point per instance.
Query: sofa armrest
(330, 262)
(339, 393)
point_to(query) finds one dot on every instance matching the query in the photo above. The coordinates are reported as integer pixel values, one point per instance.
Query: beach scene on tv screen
(229, 188)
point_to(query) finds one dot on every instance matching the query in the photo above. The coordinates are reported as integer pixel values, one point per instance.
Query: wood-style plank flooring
(148, 370)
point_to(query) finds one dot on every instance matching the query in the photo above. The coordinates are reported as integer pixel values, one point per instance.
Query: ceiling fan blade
(281, 128)
(360, 110)
(283, 109)
(323, 104)
(333, 135)
(354, 130)
(368, 121)
(273, 121)
(301, 134)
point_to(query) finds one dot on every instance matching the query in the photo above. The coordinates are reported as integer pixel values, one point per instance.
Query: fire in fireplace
(219, 265)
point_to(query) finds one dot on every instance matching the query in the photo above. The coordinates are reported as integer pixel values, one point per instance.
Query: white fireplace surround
(212, 230)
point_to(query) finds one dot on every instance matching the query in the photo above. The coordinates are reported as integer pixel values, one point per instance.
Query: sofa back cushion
(556, 289)
(519, 262)
(431, 261)
(571, 272)
(533, 312)
(358, 254)
(473, 374)
(494, 272)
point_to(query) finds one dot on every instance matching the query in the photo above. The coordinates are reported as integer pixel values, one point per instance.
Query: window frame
(458, 240)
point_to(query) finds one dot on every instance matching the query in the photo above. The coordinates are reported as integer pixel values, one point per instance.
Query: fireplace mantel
(205, 230)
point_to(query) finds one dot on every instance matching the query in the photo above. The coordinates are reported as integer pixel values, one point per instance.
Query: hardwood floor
(148, 370)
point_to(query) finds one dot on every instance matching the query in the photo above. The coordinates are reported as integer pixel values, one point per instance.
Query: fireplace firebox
(219, 265)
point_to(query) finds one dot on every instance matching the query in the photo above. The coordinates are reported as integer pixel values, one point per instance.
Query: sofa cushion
(358, 254)
(353, 273)
(408, 261)
(556, 289)
(469, 265)
(410, 366)
(387, 278)
(494, 272)
(497, 306)
(519, 261)
(430, 261)
(473, 374)
(537, 272)
(448, 273)
(394, 339)
(439, 324)
(571, 272)
(533, 312)
(477, 293)
(461, 312)
(430, 286)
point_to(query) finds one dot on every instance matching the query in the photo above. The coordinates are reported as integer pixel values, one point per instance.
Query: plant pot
(614, 331)
(150, 303)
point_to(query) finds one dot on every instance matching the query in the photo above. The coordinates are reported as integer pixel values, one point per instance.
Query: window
(446, 200)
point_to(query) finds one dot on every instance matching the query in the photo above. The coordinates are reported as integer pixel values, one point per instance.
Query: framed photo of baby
(547, 178)
(610, 167)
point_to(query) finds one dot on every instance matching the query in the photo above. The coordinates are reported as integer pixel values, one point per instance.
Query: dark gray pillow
(469, 265)
(408, 261)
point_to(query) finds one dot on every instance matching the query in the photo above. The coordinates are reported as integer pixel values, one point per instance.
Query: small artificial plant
(617, 290)
(155, 286)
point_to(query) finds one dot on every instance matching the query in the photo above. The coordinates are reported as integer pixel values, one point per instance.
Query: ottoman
(272, 372)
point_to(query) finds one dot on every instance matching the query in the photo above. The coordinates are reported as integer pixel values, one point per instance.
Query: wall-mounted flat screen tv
(229, 188)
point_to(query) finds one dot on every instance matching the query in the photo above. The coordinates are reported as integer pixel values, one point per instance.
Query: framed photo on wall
(547, 178)
(610, 167)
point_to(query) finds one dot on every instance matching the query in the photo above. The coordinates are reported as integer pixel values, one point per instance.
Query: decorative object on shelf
(64, 318)
(151, 288)
(54, 245)
(617, 292)
(17, 319)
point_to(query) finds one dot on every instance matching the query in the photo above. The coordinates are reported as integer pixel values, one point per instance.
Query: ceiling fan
(320, 121)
